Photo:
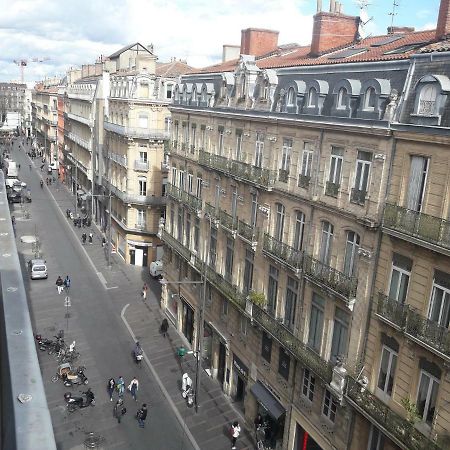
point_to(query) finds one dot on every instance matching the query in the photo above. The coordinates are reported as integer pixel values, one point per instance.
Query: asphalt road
(101, 337)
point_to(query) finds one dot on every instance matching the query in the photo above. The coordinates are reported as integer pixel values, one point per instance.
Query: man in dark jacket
(142, 415)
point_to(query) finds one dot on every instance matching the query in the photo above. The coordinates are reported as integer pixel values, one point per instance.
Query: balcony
(415, 326)
(141, 165)
(332, 189)
(398, 429)
(247, 232)
(80, 141)
(283, 252)
(176, 245)
(165, 167)
(133, 132)
(119, 159)
(189, 200)
(358, 197)
(422, 228)
(337, 281)
(81, 119)
(283, 175)
(256, 175)
(303, 181)
(227, 220)
(131, 198)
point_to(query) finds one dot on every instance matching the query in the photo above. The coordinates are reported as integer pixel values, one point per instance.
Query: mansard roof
(173, 69)
(136, 46)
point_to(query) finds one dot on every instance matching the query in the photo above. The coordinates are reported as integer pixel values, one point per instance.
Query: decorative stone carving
(391, 107)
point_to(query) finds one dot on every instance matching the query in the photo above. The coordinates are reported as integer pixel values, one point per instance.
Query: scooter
(74, 403)
(188, 394)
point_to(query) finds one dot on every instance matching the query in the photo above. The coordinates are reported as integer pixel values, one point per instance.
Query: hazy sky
(75, 32)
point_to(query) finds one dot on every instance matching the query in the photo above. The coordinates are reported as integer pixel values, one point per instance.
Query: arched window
(177, 93)
(427, 99)
(194, 95)
(312, 98)
(279, 221)
(351, 252)
(291, 97)
(326, 241)
(299, 230)
(342, 98)
(185, 95)
(204, 96)
(370, 98)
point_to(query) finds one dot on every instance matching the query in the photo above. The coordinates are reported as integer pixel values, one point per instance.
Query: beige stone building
(279, 166)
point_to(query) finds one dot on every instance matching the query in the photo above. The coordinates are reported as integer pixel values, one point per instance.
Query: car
(37, 269)
(14, 197)
(156, 269)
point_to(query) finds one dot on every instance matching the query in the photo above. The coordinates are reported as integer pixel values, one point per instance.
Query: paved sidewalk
(211, 424)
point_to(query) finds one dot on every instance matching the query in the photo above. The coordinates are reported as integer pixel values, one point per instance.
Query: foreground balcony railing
(334, 279)
(431, 229)
(134, 198)
(257, 175)
(142, 133)
(80, 141)
(402, 432)
(248, 232)
(189, 200)
(414, 324)
(227, 220)
(289, 255)
(140, 165)
(176, 245)
(332, 189)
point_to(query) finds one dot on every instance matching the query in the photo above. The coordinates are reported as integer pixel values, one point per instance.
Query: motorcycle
(74, 403)
(188, 394)
(70, 377)
(50, 345)
(68, 354)
(138, 354)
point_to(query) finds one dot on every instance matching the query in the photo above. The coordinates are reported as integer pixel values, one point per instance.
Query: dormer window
(342, 98)
(185, 95)
(291, 97)
(265, 90)
(204, 96)
(312, 98)
(427, 100)
(194, 95)
(369, 99)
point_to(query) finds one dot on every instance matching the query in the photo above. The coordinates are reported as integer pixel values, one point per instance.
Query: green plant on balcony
(257, 298)
(412, 414)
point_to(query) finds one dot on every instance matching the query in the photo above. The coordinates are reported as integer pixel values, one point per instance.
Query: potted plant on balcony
(255, 298)
(412, 414)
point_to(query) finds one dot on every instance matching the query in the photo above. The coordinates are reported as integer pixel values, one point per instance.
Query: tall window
(376, 439)
(291, 302)
(272, 289)
(426, 396)
(336, 165)
(308, 384)
(181, 179)
(217, 193)
(176, 132)
(202, 136)
(362, 172)
(266, 347)
(185, 135)
(386, 373)
(342, 98)
(291, 97)
(188, 230)
(316, 323)
(307, 158)
(370, 99)
(417, 183)
(248, 271)
(259, 149)
(284, 363)
(312, 98)
(190, 179)
(326, 242)
(199, 186)
(229, 259)
(238, 153)
(143, 121)
(279, 221)
(143, 157)
(234, 201)
(427, 99)
(340, 335)
(329, 406)
(439, 310)
(299, 230)
(220, 141)
(193, 137)
(180, 225)
(140, 218)
(351, 252)
(142, 186)
(286, 155)
(213, 248)
(400, 274)
(194, 95)
(254, 211)
(197, 235)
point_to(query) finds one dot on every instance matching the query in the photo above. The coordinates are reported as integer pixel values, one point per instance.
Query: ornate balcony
(80, 141)
(189, 200)
(398, 429)
(248, 232)
(133, 198)
(417, 327)
(140, 165)
(257, 175)
(303, 181)
(339, 282)
(227, 220)
(358, 197)
(84, 120)
(417, 225)
(283, 252)
(211, 210)
(176, 245)
(133, 132)
(332, 189)
(283, 175)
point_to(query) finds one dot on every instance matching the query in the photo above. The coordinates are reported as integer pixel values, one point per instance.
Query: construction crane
(22, 63)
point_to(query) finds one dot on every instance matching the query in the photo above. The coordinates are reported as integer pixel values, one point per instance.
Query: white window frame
(403, 272)
(239, 138)
(312, 97)
(341, 98)
(142, 186)
(143, 156)
(389, 373)
(299, 230)
(291, 97)
(433, 380)
(370, 94)
(363, 166)
(199, 187)
(286, 153)
(335, 173)
(427, 106)
(308, 385)
(140, 217)
(174, 176)
(445, 305)
(332, 408)
(352, 254)
(181, 179)
(259, 149)
(254, 210)
(326, 241)
(190, 182)
(307, 160)
(280, 218)
(143, 121)
(220, 141)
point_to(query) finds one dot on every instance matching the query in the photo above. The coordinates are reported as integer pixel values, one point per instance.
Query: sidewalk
(210, 426)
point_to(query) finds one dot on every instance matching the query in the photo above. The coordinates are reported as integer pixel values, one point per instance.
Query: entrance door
(221, 367)
(132, 256)
(138, 257)
(240, 389)
(188, 323)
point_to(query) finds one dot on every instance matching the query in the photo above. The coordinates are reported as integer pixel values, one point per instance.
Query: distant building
(15, 99)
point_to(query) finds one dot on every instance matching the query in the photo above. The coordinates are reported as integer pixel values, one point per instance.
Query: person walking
(120, 386)
(110, 387)
(59, 284)
(142, 415)
(103, 241)
(164, 327)
(144, 292)
(119, 410)
(67, 283)
(133, 388)
(91, 236)
(235, 431)
(83, 238)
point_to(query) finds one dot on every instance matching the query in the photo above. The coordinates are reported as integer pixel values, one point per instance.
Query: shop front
(138, 253)
(240, 380)
(187, 325)
(303, 441)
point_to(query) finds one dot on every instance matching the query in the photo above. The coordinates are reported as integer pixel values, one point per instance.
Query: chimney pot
(332, 6)
(319, 5)
(257, 41)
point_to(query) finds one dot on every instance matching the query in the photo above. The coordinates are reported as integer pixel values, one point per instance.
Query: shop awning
(267, 400)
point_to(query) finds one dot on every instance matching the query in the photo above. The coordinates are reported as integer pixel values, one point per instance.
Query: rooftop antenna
(393, 13)
(364, 16)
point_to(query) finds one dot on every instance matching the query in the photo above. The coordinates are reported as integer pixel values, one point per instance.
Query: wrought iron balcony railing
(189, 200)
(227, 220)
(176, 245)
(132, 198)
(140, 165)
(414, 324)
(303, 181)
(402, 432)
(281, 251)
(358, 197)
(248, 232)
(332, 189)
(332, 278)
(134, 132)
(257, 175)
(429, 228)
(283, 175)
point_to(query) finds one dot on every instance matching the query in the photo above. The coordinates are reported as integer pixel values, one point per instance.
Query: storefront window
(266, 350)
(284, 363)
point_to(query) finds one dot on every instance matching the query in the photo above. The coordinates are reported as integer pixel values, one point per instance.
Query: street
(94, 322)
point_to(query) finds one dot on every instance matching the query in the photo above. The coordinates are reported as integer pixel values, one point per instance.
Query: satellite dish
(364, 16)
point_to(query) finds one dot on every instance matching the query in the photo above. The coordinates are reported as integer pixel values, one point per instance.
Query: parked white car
(156, 269)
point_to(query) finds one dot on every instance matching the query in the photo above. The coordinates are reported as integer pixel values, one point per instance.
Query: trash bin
(181, 351)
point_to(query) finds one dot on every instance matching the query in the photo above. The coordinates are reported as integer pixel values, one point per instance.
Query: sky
(68, 33)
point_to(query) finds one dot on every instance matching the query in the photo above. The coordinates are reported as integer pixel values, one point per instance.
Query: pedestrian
(103, 241)
(110, 388)
(133, 388)
(235, 431)
(18, 165)
(141, 415)
(90, 238)
(164, 327)
(59, 284)
(67, 283)
(144, 291)
(83, 238)
(119, 410)
(120, 386)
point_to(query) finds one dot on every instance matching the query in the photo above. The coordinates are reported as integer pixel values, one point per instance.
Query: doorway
(240, 389)
(221, 367)
(188, 322)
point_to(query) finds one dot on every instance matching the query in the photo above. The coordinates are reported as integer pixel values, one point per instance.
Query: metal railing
(189, 200)
(80, 141)
(134, 198)
(332, 189)
(247, 231)
(140, 165)
(283, 175)
(284, 252)
(303, 181)
(142, 133)
(84, 120)
(119, 159)
(404, 432)
(429, 228)
(358, 197)
(227, 220)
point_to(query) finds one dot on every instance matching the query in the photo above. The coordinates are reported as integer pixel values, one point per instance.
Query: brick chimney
(443, 24)
(333, 29)
(400, 30)
(257, 41)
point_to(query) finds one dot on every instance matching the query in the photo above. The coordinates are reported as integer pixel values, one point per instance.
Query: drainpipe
(286, 441)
